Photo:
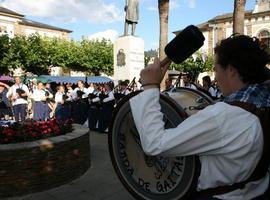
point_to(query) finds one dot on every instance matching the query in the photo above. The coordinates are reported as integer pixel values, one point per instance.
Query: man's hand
(14, 97)
(153, 74)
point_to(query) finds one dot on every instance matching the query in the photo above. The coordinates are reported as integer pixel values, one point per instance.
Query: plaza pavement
(98, 183)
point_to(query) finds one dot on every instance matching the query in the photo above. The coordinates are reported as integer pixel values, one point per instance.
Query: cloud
(107, 34)
(95, 11)
(173, 5)
(153, 8)
(191, 3)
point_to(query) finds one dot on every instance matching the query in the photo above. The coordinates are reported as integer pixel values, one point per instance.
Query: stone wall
(40, 165)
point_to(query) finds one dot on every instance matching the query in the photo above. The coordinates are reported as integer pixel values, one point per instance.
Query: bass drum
(154, 177)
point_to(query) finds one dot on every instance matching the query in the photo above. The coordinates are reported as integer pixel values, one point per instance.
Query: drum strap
(262, 167)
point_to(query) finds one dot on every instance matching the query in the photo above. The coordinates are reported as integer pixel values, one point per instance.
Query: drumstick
(187, 42)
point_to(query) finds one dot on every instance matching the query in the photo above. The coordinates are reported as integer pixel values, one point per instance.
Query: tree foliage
(37, 54)
(195, 65)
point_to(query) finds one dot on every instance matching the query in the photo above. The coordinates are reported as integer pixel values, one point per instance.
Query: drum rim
(178, 109)
(207, 97)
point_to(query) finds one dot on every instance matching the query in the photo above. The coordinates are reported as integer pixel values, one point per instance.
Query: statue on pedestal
(132, 15)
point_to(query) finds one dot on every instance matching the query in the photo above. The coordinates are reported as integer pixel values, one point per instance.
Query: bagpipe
(48, 97)
(20, 93)
(159, 177)
(119, 94)
(98, 104)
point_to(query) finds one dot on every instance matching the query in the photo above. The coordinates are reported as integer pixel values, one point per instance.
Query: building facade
(12, 23)
(257, 24)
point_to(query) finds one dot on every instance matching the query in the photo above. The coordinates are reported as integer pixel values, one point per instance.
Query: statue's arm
(137, 10)
(126, 6)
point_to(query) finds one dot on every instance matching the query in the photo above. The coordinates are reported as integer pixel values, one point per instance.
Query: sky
(105, 18)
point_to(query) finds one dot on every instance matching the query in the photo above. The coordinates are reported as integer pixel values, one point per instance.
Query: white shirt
(109, 98)
(212, 91)
(192, 86)
(39, 95)
(12, 91)
(58, 97)
(85, 95)
(228, 140)
(90, 90)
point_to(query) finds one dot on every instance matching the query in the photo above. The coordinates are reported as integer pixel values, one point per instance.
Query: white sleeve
(74, 93)
(58, 98)
(97, 99)
(10, 92)
(25, 88)
(109, 98)
(197, 134)
(212, 91)
(86, 92)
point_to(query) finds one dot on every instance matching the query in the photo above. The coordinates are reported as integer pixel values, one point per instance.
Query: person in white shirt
(94, 108)
(59, 101)
(81, 90)
(18, 94)
(207, 86)
(39, 102)
(107, 108)
(69, 92)
(91, 88)
(187, 82)
(228, 139)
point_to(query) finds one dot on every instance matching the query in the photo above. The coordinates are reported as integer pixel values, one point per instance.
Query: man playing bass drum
(231, 137)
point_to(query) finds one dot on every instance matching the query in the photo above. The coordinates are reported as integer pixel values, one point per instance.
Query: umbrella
(98, 79)
(38, 78)
(6, 78)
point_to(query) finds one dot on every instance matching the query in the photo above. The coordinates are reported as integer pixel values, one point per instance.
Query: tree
(195, 65)
(163, 9)
(239, 16)
(97, 56)
(16, 55)
(37, 54)
(36, 60)
(4, 47)
(148, 55)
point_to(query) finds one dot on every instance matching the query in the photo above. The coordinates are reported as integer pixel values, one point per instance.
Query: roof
(10, 12)
(226, 18)
(229, 16)
(75, 79)
(28, 22)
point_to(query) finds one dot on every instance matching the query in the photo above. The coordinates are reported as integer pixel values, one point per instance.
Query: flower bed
(33, 130)
(28, 167)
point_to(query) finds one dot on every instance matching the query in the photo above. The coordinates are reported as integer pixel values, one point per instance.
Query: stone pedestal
(128, 58)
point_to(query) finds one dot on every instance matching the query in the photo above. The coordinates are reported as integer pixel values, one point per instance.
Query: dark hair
(246, 54)
(110, 85)
(187, 75)
(207, 79)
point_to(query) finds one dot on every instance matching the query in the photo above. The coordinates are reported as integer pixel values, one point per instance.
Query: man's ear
(232, 71)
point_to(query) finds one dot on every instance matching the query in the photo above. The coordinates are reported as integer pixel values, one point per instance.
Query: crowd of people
(208, 86)
(93, 103)
(83, 103)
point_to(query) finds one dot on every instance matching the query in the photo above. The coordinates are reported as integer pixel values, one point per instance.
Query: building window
(264, 37)
(3, 29)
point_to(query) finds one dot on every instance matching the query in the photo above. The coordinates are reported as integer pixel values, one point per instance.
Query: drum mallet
(187, 42)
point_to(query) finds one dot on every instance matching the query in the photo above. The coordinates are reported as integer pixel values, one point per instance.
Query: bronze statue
(132, 15)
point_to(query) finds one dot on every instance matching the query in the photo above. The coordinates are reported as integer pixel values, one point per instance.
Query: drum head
(150, 177)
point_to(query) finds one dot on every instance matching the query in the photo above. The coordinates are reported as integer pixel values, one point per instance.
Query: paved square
(98, 183)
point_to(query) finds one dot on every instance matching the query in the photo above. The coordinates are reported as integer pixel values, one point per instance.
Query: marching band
(91, 105)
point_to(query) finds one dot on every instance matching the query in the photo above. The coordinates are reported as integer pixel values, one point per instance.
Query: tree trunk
(239, 16)
(163, 9)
